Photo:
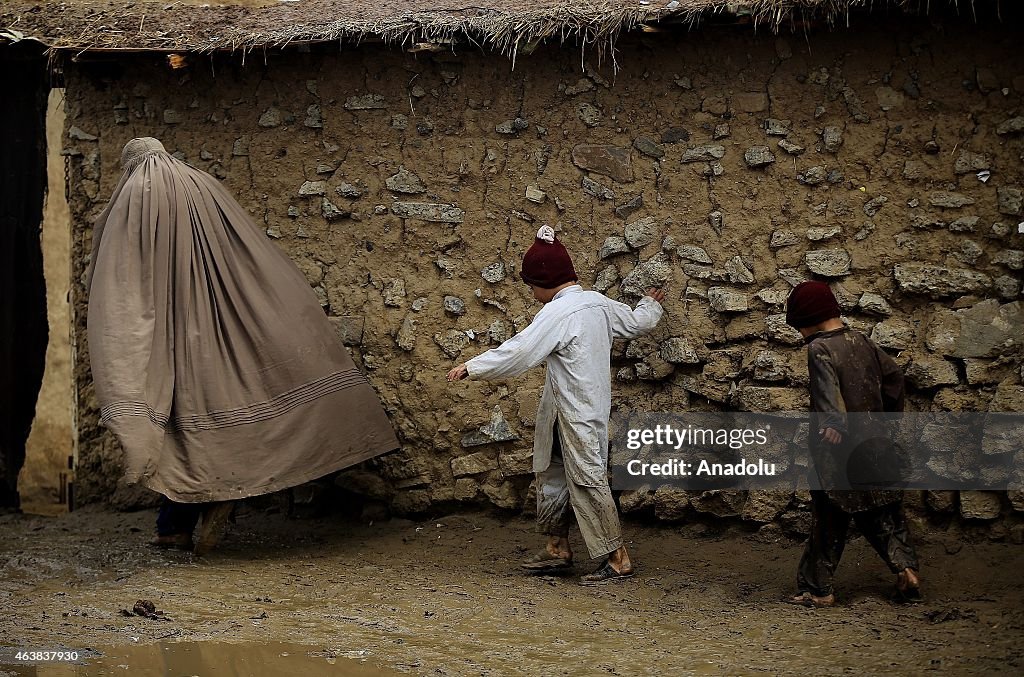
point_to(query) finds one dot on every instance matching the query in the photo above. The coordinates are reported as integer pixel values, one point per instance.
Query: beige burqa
(213, 361)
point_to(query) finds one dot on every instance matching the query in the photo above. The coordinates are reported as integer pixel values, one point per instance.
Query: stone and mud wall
(726, 165)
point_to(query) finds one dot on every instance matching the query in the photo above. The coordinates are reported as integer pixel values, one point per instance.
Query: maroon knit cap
(547, 263)
(810, 303)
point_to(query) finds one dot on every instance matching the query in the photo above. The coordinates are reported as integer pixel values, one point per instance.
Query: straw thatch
(502, 25)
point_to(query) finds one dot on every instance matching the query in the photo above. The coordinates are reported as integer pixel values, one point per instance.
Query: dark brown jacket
(849, 373)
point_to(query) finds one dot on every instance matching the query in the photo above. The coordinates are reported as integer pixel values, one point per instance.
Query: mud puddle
(206, 658)
(446, 596)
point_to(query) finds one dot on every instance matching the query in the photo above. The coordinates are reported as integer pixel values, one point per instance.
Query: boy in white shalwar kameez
(573, 334)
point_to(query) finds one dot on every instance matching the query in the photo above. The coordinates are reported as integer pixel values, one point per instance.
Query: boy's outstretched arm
(628, 323)
(523, 351)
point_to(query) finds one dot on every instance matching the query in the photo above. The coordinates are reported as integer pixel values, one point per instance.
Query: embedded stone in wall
(404, 181)
(512, 126)
(930, 373)
(716, 221)
(642, 232)
(872, 206)
(271, 117)
(783, 238)
(677, 350)
(790, 147)
(772, 297)
(473, 464)
(454, 305)
(588, 114)
(614, 244)
(765, 505)
(1010, 200)
(737, 271)
(693, 253)
(758, 156)
(309, 188)
(968, 162)
(1011, 258)
(393, 292)
(965, 224)
(314, 117)
(828, 262)
(331, 212)
(675, 135)
(365, 102)
(874, 304)
(727, 301)
(777, 330)
(982, 505)
(705, 153)
(515, 463)
(610, 161)
(651, 273)
(986, 329)
(1012, 126)
(625, 210)
(775, 127)
(426, 211)
(813, 176)
(894, 334)
(349, 329)
(949, 200)
(499, 332)
(653, 368)
(720, 502)
(173, 117)
(1007, 286)
(494, 273)
(452, 342)
(349, 191)
(939, 281)
(770, 366)
(832, 138)
(535, 194)
(595, 189)
(79, 135)
(606, 278)
(648, 147)
(405, 338)
(670, 504)
(819, 233)
(240, 148)
(496, 430)
(762, 398)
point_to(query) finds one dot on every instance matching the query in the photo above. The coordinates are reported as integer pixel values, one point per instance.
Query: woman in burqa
(213, 362)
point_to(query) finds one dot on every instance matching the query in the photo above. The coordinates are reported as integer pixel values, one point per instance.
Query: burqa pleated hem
(213, 361)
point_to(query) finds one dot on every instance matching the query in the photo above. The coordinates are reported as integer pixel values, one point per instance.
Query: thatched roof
(508, 26)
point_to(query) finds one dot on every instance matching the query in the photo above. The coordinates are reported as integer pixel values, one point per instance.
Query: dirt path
(445, 597)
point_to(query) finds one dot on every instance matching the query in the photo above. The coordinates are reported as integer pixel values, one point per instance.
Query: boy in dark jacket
(848, 373)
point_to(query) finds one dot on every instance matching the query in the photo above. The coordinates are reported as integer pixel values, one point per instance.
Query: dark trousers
(884, 527)
(178, 518)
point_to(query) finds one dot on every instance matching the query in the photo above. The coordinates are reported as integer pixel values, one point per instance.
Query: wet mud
(446, 597)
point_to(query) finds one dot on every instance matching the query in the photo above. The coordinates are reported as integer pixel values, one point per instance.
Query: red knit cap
(810, 303)
(547, 263)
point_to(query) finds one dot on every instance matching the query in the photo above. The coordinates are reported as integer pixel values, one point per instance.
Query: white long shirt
(573, 333)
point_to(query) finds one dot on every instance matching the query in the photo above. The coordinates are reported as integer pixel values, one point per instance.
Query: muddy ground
(445, 597)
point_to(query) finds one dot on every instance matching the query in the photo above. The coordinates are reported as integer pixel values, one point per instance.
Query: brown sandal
(544, 562)
(605, 574)
(806, 599)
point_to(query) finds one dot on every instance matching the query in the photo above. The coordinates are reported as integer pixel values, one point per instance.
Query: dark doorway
(23, 322)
